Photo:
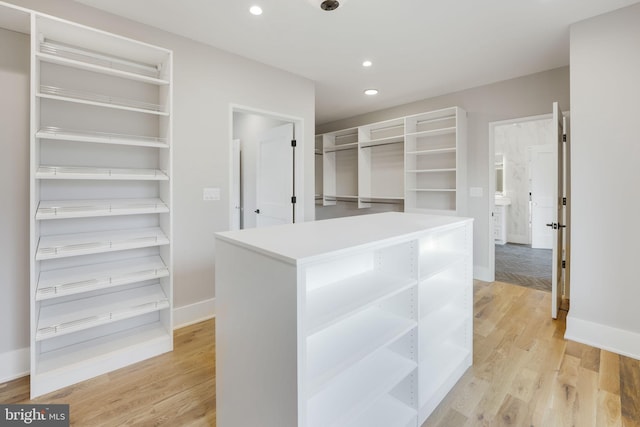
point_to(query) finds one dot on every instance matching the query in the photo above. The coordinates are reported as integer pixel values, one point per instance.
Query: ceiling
(419, 48)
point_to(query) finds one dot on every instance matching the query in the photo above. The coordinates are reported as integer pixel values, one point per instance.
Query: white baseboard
(602, 336)
(14, 364)
(194, 313)
(482, 273)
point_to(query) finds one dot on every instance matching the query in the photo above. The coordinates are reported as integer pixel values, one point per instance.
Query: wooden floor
(524, 374)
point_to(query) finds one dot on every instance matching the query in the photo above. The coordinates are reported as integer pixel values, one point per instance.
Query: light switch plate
(475, 191)
(209, 194)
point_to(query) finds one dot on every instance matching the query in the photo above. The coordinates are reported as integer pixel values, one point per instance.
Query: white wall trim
(14, 364)
(602, 336)
(481, 272)
(194, 313)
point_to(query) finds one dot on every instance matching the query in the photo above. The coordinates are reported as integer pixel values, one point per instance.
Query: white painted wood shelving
(357, 321)
(101, 196)
(418, 160)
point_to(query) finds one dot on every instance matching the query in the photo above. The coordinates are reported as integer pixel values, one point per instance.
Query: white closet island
(356, 321)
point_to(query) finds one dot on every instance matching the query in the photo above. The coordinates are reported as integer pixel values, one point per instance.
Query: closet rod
(380, 145)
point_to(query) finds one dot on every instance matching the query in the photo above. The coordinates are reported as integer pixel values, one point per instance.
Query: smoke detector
(329, 5)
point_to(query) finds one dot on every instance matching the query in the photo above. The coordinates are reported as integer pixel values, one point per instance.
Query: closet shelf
(437, 326)
(99, 100)
(433, 151)
(66, 245)
(431, 170)
(341, 198)
(382, 199)
(55, 133)
(72, 316)
(332, 303)
(432, 189)
(439, 366)
(69, 281)
(98, 173)
(352, 395)
(383, 141)
(92, 208)
(388, 412)
(94, 61)
(433, 132)
(436, 261)
(333, 351)
(350, 146)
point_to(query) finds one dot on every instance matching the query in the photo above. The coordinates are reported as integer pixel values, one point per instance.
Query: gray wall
(605, 154)
(206, 82)
(14, 190)
(522, 97)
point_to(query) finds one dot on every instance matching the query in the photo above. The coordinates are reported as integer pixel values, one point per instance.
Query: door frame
(492, 183)
(299, 132)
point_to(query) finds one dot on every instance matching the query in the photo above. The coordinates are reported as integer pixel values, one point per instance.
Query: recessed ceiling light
(255, 10)
(367, 63)
(371, 92)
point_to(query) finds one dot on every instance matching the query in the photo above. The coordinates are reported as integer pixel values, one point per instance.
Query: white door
(542, 176)
(275, 185)
(557, 225)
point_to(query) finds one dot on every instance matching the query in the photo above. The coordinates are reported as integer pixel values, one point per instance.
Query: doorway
(264, 172)
(526, 182)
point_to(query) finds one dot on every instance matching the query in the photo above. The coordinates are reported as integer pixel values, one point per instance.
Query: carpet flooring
(524, 266)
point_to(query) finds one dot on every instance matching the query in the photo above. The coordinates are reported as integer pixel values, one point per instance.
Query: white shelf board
(62, 209)
(433, 132)
(70, 281)
(73, 63)
(432, 190)
(382, 141)
(98, 100)
(60, 246)
(102, 348)
(438, 366)
(76, 315)
(350, 146)
(438, 292)
(431, 170)
(437, 326)
(432, 151)
(332, 303)
(351, 394)
(386, 412)
(434, 262)
(96, 173)
(335, 349)
(54, 133)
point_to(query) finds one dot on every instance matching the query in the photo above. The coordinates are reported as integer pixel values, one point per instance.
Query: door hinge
(293, 199)
(564, 137)
(564, 201)
(293, 142)
(564, 264)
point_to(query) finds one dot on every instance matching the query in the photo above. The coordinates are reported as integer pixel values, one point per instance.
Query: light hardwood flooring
(524, 374)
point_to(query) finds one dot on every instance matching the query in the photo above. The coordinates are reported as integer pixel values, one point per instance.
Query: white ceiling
(419, 48)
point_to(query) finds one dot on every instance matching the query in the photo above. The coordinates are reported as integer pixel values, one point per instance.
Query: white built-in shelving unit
(101, 202)
(417, 160)
(365, 321)
(435, 149)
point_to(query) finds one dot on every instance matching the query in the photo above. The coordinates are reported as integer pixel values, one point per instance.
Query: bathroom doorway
(518, 170)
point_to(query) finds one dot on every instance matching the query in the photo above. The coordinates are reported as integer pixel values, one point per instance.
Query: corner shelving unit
(370, 324)
(435, 149)
(101, 203)
(417, 161)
